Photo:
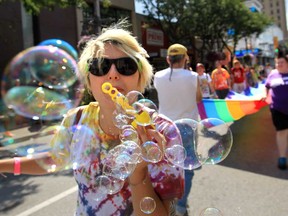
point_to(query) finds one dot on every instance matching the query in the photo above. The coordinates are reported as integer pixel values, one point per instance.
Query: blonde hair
(124, 41)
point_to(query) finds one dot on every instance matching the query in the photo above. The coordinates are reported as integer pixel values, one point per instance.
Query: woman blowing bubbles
(116, 57)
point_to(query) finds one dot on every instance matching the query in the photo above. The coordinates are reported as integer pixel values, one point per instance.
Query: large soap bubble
(42, 83)
(188, 131)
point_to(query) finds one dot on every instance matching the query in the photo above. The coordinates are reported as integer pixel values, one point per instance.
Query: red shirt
(238, 74)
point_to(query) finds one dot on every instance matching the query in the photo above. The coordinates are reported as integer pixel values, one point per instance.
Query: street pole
(97, 16)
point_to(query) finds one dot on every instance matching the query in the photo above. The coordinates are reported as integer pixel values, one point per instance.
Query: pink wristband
(17, 166)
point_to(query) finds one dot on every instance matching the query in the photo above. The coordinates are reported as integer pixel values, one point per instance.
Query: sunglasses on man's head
(125, 66)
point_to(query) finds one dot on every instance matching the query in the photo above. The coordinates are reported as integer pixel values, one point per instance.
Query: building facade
(276, 9)
(20, 30)
(261, 48)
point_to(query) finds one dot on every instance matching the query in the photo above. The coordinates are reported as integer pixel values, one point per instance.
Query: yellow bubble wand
(142, 117)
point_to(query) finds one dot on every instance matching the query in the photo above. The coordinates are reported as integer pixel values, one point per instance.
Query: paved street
(246, 183)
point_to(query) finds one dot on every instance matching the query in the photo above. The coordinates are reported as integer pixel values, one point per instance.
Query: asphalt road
(246, 183)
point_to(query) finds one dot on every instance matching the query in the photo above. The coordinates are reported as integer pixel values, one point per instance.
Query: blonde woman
(115, 56)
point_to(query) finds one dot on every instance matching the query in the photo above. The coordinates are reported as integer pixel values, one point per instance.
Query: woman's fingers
(149, 134)
(143, 136)
(160, 139)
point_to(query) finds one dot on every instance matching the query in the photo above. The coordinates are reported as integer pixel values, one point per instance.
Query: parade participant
(237, 77)
(268, 68)
(178, 93)
(116, 57)
(277, 90)
(251, 78)
(170, 81)
(220, 80)
(205, 81)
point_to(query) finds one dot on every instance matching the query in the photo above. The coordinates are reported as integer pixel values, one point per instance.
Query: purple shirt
(278, 84)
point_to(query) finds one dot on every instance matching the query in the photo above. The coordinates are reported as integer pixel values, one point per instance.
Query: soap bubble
(129, 134)
(84, 146)
(151, 152)
(188, 131)
(134, 96)
(62, 45)
(147, 205)
(213, 141)
(108, 185)
(41, 82)
(211, 211)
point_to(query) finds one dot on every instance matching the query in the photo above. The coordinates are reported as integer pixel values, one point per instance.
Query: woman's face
(122, 83)
(282, 65)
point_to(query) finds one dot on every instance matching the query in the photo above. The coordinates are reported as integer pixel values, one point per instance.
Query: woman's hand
(146, 134)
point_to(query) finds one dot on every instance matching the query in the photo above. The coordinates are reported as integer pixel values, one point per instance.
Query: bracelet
(17, 166)
(143, 181)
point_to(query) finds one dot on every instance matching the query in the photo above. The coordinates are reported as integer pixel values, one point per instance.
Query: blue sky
(138, 6)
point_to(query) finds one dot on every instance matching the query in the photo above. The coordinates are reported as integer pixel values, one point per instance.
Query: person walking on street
(205, 82)
(220, 80)
(178, 93)
(277, 91)
(238, 77)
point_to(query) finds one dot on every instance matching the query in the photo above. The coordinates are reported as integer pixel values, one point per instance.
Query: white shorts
(239, 87)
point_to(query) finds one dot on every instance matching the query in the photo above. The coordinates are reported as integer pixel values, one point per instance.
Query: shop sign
(154, 37)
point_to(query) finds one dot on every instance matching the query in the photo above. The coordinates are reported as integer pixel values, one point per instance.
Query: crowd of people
(218, 82)
(240, 76)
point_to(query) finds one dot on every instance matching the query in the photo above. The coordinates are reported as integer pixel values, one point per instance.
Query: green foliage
(106, 3)
(205, 21)
(35, 6)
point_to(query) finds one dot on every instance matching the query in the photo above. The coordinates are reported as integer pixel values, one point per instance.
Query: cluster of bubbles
(190, 144)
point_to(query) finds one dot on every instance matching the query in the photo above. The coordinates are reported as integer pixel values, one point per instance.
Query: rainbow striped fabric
(235, 106)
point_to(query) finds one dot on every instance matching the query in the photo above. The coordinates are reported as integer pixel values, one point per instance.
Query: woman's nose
(113, 73)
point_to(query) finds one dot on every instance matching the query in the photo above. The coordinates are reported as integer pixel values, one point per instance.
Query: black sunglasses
(125, 66)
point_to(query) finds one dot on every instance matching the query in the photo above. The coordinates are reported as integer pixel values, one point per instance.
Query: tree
(247, 23)
(204, 25)
(35, 6)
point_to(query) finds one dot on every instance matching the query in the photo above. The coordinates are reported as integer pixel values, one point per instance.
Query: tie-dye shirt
(91, 145)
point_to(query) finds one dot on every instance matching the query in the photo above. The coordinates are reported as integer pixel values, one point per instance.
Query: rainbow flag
(235, 106)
